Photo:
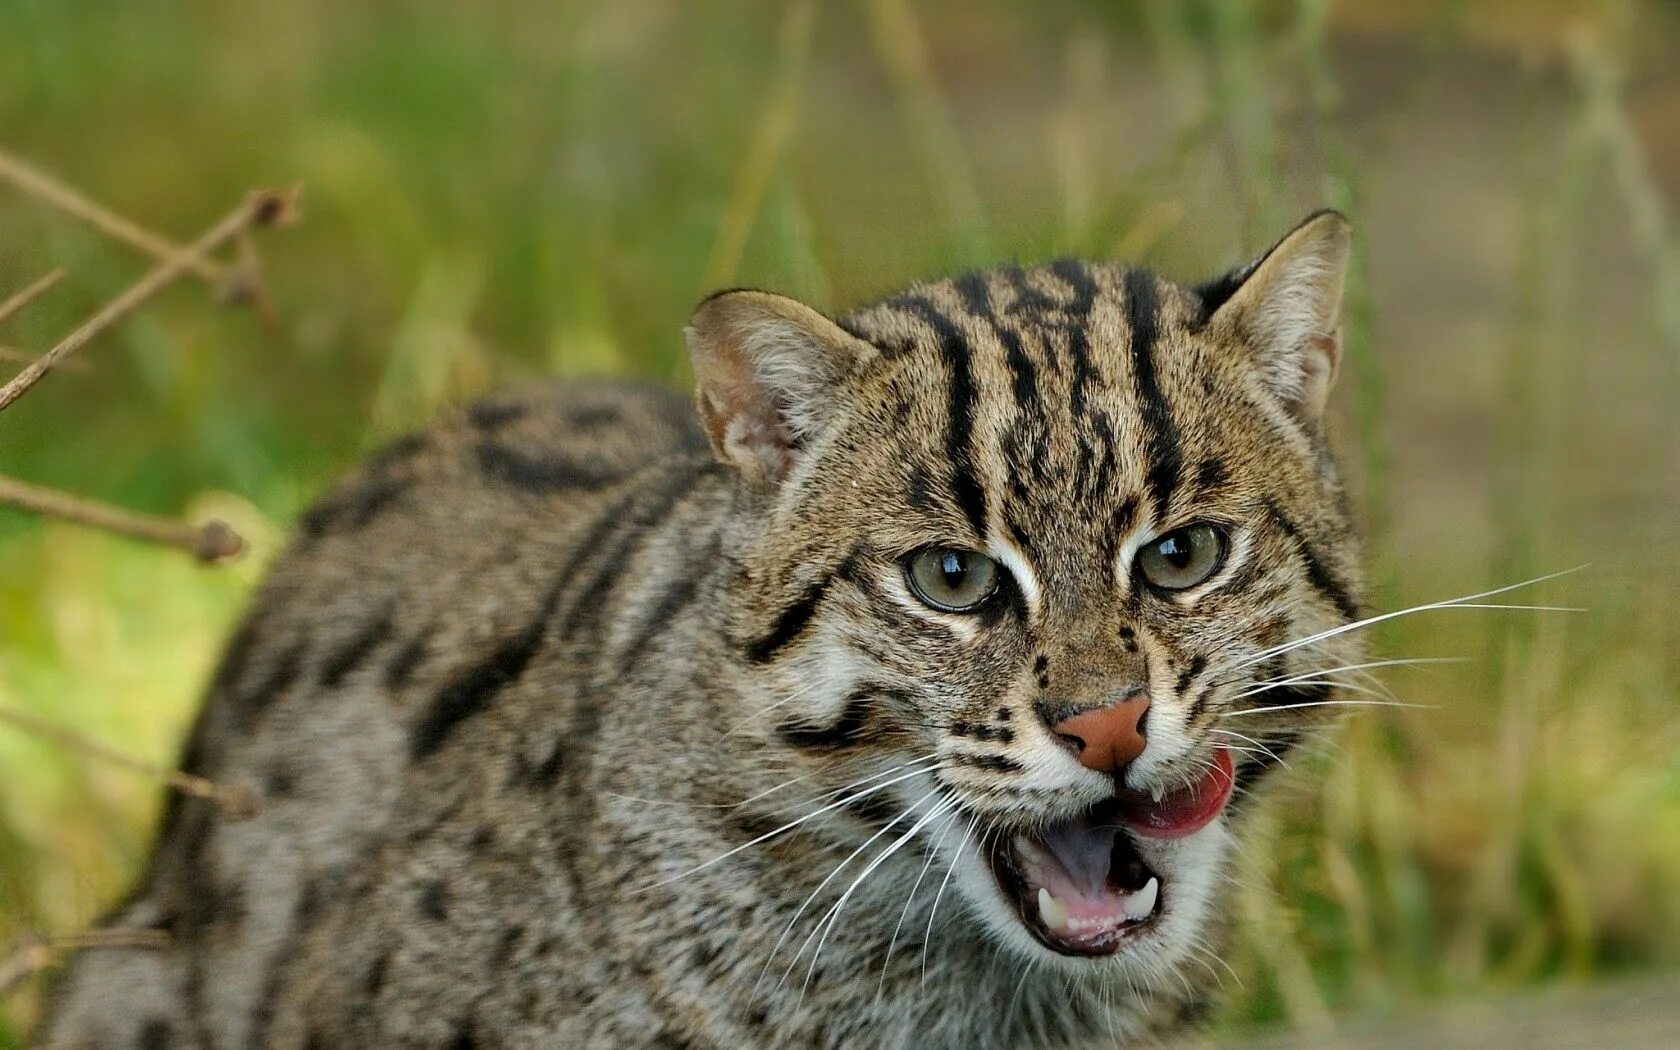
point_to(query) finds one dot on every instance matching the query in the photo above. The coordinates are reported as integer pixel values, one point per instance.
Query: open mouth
(1080, 886)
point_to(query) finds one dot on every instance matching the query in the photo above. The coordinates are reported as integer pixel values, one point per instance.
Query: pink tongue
(1071, 861)
(1082, 850)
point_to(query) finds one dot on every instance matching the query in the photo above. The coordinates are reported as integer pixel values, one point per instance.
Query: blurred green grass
(505, 190)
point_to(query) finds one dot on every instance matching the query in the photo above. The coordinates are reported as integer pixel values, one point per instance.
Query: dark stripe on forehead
(1323, 578)
(1143, 322)
(1025, 443)
(954, 349)
(1078, 322)
(1090, 472)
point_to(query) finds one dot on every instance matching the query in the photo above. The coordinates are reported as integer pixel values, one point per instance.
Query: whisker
(1325, 703)
(1414, 661)
(793, 824)
(838, 868)
(903, 914)
(1258, 748)
(934, 911)
(833, 916)
(797, 694)
(1366, 690)
(1466, 602)
(1257, 752)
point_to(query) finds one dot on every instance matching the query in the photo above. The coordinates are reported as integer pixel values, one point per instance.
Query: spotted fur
(537, 699)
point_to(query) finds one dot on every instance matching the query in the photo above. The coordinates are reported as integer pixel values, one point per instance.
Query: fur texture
(576, 719)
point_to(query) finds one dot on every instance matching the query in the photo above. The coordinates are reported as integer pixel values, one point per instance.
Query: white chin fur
(1189, 869)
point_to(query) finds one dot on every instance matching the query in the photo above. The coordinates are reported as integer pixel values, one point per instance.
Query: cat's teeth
(1139, 905)
(1050, 909)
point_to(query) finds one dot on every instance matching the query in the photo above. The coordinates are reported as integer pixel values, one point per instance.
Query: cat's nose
(1108, 738)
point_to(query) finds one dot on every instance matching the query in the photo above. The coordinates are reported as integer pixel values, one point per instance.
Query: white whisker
(1465, 602)
(833, 916)
(1406, 662)
(1258, 748)
(838, 868)
(934, 911)
(1365, 690)
(790, 825)
(904, 913)
(1324, 703)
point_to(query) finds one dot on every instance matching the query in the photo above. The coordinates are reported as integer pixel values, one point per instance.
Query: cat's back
(417, 590)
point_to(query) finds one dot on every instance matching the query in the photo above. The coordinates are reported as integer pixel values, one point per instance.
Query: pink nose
(1108, 738)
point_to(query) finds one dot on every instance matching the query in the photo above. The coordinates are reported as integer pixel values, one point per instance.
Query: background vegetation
(505, 189)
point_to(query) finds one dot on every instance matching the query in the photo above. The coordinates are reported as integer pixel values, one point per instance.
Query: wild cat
(879, 702)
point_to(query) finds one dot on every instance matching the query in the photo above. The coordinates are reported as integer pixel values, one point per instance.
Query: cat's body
(531, 702)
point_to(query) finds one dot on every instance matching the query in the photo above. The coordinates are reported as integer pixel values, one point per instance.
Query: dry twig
(211, 542)
(29, 294)
(263, 208)
(44, 187)
(36, 954)
(11, 355)
(236, 801)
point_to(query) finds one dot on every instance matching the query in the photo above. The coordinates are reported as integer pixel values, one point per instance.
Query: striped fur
(529, 687)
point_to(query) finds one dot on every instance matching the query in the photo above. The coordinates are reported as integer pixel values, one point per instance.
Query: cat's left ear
(766, 370)
(1287, 307)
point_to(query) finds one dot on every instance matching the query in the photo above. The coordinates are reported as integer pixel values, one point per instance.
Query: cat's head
(1035, 557)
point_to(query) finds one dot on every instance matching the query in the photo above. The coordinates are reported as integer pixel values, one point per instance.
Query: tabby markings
(341, 663)
(960, 404)
(846, 730)
(1323, 579)
(472, 690)
(545, 474)
(1143, 317)
(792, 621)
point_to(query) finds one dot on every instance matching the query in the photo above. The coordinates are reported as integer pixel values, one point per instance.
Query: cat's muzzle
(1080, 886)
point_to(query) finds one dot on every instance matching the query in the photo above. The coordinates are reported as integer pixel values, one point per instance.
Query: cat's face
(1036, 545)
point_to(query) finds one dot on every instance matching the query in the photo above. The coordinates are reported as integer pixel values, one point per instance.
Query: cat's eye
(1182, 558)
(951, 579)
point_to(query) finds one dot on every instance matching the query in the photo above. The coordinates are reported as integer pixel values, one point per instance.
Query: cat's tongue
(1085, 883)
(1181, 812)
(1084, 875)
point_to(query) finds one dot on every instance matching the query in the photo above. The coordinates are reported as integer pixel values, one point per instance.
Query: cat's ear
(766, 368)
(1287, 306)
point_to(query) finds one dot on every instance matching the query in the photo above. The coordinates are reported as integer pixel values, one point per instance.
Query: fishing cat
(883, 701)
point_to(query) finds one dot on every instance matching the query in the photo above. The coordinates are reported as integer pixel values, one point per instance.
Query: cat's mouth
(1081, 886)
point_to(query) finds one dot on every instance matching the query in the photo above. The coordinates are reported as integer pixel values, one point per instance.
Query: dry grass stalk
(263, 208)
(769, 145)
(211, 542)
(235, 800)
(29, 294)
(36, 954)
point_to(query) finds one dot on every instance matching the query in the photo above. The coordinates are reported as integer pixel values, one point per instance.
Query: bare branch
(44, 187)
(236, 801)
(11, 355)
(263, 208)
(36, 954)
(28, 295)
(28, 960)
(211, 542)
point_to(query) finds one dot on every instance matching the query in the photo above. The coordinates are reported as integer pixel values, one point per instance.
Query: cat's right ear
(1286, 305)
(766, 368)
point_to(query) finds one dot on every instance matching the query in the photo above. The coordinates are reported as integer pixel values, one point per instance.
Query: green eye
(1182, 558)
(951, 580)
